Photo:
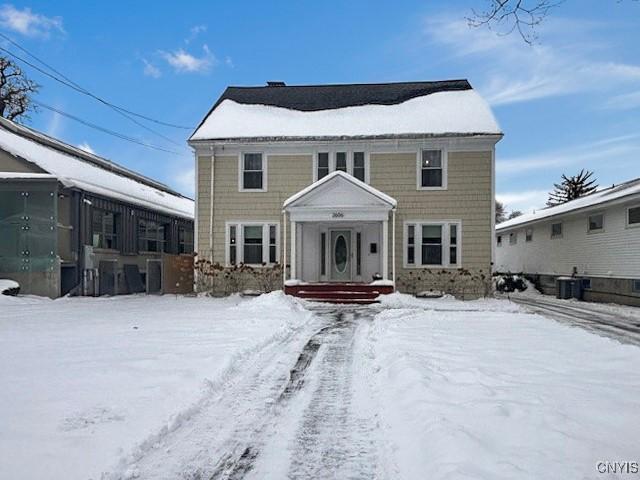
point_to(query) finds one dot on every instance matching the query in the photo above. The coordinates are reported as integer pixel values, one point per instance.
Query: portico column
(293, 250)
(385, 249)
(393, 246)
(284, 247)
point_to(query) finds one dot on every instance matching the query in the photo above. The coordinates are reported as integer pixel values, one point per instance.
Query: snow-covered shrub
(9, 287)
(510, 283)
(460, 282)
(217, 279)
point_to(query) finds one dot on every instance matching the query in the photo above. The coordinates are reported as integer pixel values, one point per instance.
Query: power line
(78, 88)
(81, 90)
(105, 130)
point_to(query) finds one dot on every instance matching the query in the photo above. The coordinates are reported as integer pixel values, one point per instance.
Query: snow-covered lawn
(156, 387)
(494, 393)
(85, 380)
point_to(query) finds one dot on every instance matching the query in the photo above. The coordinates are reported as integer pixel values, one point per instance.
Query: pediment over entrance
(340, 190)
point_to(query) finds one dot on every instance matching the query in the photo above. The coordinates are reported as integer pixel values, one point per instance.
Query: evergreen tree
(501, 214)
(571, 188)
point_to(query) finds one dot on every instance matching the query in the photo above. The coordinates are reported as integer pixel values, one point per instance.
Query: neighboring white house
(596, 237)
(346, 184)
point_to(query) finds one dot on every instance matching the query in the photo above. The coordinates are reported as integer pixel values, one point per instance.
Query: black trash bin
(564, 287)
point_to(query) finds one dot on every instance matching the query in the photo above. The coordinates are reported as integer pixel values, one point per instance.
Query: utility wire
(78, 88)
(81, 90)
(105, 130)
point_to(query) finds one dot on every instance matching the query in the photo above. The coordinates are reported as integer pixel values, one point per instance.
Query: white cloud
(194, 32)
(54, 127)
(627, 101)
(182, 61)
(525, 201)
(150, 70)
(588, 154)
(27, 22)
(86, 147)
(513, 71)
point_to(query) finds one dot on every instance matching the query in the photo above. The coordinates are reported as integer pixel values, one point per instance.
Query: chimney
(276, 84)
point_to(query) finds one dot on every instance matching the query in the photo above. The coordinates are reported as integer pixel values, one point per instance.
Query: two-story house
(387, 184)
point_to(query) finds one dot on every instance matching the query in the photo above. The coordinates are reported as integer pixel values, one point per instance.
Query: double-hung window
(431, 244)
(104, 230)
(353, 163)
(252, 243)
(253, 172)
(323, 165)
(556, 230)
(359, 166)
(595, 223)
(513, 238)
(528, 235)
(432, 170)
(633, 216)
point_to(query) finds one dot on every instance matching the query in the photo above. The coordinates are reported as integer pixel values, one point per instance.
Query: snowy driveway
(272, 388)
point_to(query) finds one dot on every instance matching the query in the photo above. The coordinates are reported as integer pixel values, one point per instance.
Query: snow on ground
(86, 380)
(276, 388)
(499, 394)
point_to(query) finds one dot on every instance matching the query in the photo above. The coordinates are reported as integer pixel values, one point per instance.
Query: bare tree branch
(15, 91)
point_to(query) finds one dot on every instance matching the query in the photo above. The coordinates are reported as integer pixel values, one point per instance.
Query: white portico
(339, 228)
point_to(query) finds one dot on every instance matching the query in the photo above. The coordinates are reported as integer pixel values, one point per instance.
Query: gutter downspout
(284, 245)
(393, 247)
(213, 163)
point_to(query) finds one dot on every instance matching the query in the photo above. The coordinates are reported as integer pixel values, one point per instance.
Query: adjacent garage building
(74, 222)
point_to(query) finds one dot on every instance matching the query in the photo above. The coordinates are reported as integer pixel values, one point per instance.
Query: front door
(341, 255)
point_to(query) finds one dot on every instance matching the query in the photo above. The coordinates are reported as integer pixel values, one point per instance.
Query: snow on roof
(340, 174)
(439, 113)
(76, 171)
(26, 176)
(615, 192)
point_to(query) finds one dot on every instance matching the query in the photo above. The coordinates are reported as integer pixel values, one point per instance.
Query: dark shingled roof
(309, 98)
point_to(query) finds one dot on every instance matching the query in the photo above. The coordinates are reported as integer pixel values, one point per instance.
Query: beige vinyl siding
(286, 175)
(467, 198)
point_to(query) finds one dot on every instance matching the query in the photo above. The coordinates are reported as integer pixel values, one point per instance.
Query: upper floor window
(499, 240)
(252, 243)
(104, 232)
(556, 230)
(528, 235)
(341, 161)
(596, 222)
(185, 240)
(353, 163)
(513, 238)
(323, 165)
(432, 244)
(152, 236)
(253, 172)
(359, 166)
(633, 216)
(432, 171)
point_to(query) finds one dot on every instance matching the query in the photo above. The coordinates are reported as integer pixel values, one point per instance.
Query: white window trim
(240, 241)
(265, 164)
(332, 161)
(626, 217)
(446, 243)
(551, 230)
(591, 231)
(445, 168)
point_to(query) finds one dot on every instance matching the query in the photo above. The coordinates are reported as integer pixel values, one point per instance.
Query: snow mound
(399, 300)
(9, 287)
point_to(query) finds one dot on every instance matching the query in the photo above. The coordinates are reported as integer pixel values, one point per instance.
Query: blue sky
(570, 101)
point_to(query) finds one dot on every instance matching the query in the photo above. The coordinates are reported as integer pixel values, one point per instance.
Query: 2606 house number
(337, 215)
